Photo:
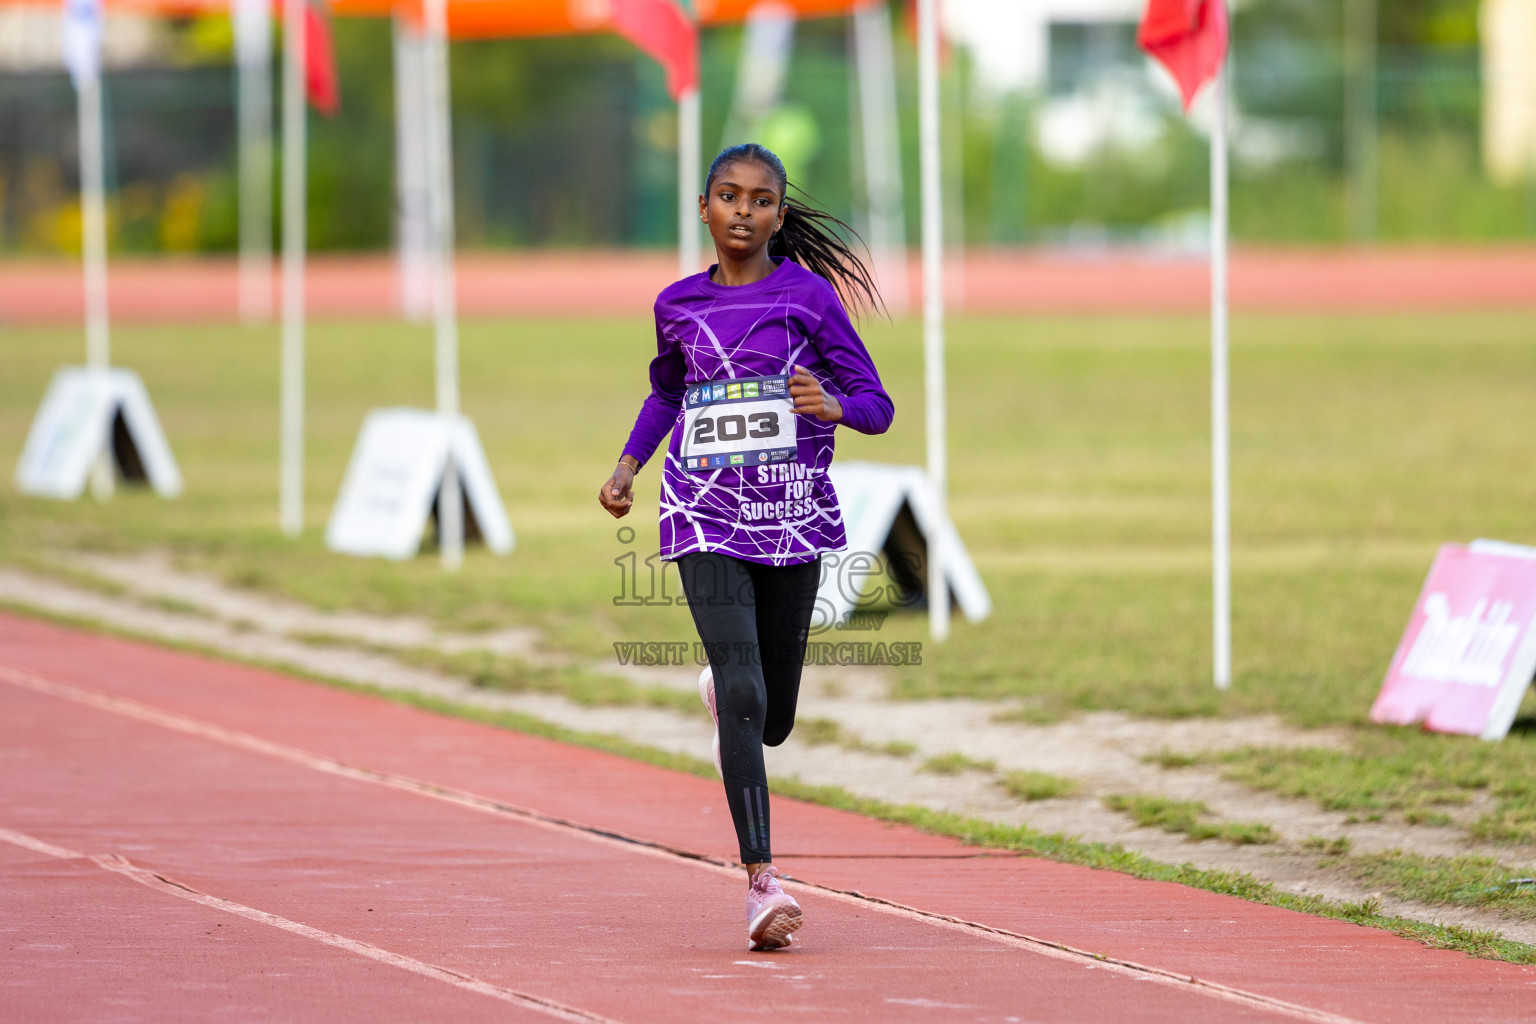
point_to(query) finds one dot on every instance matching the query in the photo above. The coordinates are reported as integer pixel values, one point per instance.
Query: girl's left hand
(810, 399)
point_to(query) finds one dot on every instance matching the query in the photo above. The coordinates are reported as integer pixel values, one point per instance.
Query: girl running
(756, 365)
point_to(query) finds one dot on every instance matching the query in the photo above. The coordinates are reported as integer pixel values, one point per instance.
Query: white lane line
(121, 866)
(37, 845)
(1055, 950)
(1062, 951)
(294, 755)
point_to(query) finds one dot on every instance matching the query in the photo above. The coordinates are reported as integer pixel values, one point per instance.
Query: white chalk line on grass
(122, 866)
(1056, 950)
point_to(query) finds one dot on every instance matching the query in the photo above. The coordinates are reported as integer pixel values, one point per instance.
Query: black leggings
(753, 620)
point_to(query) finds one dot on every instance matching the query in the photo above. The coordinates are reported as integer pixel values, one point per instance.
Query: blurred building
(1076, 59)
(31, 39)
(1026, 44)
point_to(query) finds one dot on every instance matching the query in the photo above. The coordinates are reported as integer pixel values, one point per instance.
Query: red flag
(662, 30)
(321, 83)
(1189, 38)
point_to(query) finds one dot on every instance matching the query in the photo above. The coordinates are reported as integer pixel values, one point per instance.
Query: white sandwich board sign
(393, 480)
(892, 510)
(88, 413)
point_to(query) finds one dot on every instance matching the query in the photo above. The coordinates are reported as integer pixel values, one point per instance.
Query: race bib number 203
(748, 421)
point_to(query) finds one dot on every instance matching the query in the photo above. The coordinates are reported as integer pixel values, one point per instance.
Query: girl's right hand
(617, 495)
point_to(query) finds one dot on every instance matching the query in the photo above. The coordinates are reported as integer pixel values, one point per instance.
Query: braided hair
(810, 236)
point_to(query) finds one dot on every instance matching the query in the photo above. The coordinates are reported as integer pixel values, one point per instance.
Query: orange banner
(479, 19)
(720, 12)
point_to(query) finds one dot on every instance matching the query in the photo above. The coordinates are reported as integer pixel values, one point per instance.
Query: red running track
(182, 838)
(559, 283)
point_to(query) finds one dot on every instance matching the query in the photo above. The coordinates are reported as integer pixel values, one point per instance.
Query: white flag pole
(876, 66)
(412, 232)
(82, 54)
(689, 143)
(295, 115)
(933, 307)
(93, 223)
(93, 218)
(450, 502)
(1360, 122)
(1221, 509)
(253, 49)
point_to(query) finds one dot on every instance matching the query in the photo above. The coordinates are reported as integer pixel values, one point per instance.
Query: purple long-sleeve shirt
(781, 513)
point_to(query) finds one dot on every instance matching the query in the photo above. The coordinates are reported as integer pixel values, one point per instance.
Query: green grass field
(1079, 466)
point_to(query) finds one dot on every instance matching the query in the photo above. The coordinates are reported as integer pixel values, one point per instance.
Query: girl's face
(743, 208)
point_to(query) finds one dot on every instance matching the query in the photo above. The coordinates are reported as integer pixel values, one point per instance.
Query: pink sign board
(1470, 648)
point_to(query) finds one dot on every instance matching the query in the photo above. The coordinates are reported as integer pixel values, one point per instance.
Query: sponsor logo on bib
(738, 422)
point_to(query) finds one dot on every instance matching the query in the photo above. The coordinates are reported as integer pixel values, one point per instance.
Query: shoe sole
(706, 684)
(774, 928)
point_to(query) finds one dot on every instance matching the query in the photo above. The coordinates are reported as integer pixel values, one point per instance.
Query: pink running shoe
(772, 914)
(707, 695)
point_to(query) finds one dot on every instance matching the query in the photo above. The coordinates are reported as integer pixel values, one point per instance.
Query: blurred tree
(1428, 22)
(1401, 22)
(351, 155)
(570, 141)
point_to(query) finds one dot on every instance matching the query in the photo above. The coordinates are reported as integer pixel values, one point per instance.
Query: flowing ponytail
(810, 236)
